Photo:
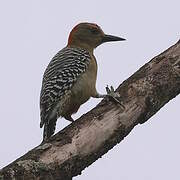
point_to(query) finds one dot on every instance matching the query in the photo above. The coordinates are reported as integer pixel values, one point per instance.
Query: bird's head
(89, 35)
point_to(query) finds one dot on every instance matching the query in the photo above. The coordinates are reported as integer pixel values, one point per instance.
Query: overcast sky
(31, 32)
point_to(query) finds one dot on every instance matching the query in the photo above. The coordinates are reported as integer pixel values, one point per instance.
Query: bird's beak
(108, 38)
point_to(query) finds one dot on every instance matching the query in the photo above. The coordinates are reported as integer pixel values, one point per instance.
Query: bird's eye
(94, 31)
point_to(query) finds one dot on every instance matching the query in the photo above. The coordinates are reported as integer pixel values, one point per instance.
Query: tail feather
(49, 129)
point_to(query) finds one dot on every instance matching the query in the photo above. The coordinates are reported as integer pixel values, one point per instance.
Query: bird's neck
(84, 46)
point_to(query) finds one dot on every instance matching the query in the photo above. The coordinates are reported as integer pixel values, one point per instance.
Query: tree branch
(81, 143)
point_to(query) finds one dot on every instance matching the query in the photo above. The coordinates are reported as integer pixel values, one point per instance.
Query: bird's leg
(69, 118)
(111, 94)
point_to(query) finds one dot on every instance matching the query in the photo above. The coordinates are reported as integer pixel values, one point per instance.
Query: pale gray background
(31, 32)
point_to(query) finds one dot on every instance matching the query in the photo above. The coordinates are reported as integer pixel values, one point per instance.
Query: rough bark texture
(81, 143)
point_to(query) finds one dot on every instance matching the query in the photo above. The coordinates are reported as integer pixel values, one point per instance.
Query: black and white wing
(60, 75)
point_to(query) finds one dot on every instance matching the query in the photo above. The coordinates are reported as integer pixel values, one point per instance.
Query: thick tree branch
(81, 143)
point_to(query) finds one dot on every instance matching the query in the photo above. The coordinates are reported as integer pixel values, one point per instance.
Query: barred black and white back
(60, 75)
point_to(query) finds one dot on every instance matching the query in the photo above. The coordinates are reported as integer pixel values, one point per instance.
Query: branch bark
(81, 143)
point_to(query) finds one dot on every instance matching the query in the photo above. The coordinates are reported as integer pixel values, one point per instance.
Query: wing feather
(60, 75)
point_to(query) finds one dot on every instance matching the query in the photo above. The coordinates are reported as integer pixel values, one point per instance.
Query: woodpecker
(70, 78)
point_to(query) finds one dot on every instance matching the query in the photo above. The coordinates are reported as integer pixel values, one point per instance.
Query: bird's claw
(114, 95)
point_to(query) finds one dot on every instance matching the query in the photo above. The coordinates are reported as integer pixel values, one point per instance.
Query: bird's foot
(113, 95)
